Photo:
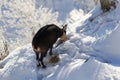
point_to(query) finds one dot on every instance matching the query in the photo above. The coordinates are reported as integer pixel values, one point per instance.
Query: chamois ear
(65, 27)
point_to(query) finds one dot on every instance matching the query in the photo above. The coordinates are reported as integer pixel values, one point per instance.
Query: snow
(91, 53)
(65, 7)
(19, 65)
(110, 46)
(91, 70)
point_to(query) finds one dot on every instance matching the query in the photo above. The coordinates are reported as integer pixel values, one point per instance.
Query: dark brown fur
(44, 40)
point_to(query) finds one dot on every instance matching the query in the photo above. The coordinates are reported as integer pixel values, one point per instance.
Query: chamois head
(64, 36)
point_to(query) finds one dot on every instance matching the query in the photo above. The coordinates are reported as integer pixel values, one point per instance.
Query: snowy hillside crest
(91, 53)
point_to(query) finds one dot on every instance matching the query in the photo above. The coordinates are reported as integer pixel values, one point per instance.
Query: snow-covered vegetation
(91, 53)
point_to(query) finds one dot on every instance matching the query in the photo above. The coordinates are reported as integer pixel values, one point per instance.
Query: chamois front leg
(51, 53)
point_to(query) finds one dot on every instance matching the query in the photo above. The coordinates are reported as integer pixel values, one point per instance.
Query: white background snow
(91, 53)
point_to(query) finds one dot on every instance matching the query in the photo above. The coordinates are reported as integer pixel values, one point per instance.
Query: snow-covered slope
(110, 46)
(64, 7)
(91, 53)
(21, 65)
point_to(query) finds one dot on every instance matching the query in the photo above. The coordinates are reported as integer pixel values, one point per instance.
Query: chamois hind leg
(43, 54)
(37, 52)
(37, 56)
(37, 59)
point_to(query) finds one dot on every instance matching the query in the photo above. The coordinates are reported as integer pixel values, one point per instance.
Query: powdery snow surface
(19, 65)
(91, 53)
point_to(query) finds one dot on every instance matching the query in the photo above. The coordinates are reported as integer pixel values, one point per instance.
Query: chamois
(44, 40)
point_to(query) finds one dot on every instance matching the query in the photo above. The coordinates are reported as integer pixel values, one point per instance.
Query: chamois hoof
(43, 66)
(40, 65)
